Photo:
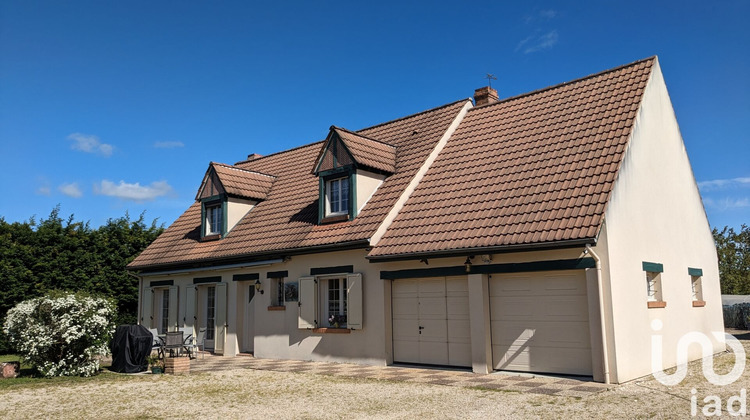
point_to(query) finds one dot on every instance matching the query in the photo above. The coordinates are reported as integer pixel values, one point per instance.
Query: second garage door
(540, 322)
(431, 321)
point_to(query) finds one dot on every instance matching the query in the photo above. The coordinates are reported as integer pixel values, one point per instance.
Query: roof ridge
(413, 115)
(580, 79)
(279, 152)
(241, 169)
(363, 136)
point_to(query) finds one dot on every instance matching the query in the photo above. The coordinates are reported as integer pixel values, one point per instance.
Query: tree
(733, 249)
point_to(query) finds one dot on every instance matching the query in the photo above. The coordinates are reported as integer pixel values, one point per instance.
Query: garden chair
(200, 342)
(157, 343)
(174, 343)
(189, 343)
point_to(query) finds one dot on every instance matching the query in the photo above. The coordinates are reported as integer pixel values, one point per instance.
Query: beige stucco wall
(237, 208)
(367, 183)
(656, 215)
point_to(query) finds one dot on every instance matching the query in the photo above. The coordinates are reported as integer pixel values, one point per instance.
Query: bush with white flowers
(61, 333)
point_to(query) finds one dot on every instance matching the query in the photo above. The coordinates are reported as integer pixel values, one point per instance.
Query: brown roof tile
(542, 164)
(243, 183)
(367, 151)
(287, 218)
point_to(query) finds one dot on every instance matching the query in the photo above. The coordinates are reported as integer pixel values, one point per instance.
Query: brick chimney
(485, 96)
(254, 156)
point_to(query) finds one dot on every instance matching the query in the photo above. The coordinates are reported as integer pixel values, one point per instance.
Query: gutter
(605, 351)
(215, 267)
(464, 252)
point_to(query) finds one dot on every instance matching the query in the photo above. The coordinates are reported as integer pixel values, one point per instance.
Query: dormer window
(337, 193)
(214, 219)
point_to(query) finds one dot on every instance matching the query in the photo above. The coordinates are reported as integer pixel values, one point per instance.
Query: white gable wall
(655, 214)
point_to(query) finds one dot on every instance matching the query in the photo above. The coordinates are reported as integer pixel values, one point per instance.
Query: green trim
(317, 271)
(553, 265)
(698, 272)
(158, 283)
(212, 279)
(653, 267)
(245, 277)
(224, 214)
(321, 199)
(353, 194)
(277, 274)
(332, 173)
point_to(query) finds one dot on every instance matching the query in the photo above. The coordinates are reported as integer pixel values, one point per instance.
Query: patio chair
(174, 343)
(189, 343)
(157, 343)
(200, 342)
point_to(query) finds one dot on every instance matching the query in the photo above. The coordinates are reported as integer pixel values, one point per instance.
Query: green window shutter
(653, 267)
(308, 303)
(354, 301)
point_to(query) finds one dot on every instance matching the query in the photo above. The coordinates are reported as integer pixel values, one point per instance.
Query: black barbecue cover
(130, 347)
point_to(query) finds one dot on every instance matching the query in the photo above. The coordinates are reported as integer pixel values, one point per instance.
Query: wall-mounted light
(424, 260)
(467, 264)
(258, 286)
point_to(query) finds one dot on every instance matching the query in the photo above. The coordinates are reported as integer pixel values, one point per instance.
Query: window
(653, 286)
(337, 196)
(277, 294)
(210, 312)
(334, 303)
(164, 321)
(654, 294)
(696, 286)
(291, 293)
(214, 220)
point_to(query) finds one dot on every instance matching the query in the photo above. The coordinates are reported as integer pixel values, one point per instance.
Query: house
(539, 233)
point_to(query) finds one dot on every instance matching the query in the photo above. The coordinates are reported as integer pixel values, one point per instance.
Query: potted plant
(155, 363)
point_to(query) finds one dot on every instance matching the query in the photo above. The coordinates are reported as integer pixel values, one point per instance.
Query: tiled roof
(243, 183)
(537, 168)
(367, 151)
(287, 219)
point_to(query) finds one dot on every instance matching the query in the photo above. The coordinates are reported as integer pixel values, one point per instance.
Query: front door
(208, 315)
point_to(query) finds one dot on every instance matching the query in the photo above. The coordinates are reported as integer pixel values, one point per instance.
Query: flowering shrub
(61, 333)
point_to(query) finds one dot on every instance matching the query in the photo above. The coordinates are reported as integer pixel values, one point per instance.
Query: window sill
(334, 218)
(657, 304)
(699, 303)
(213, 237)
(332, 330)
(277, 308)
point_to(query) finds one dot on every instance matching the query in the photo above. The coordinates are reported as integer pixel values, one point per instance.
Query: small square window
(696, 285)
(653, 286)
(291, 292)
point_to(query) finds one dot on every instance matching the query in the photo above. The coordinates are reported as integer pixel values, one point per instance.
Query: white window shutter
(172, 310)
(221, 317)
(354, 301)
(308, 303)
(148, 307)
(190, 305)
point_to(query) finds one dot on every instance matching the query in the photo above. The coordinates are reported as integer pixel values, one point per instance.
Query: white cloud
(90, 144)
(536, 43)
(71, 190)
(135, 192)
(44, 190)
(540, 15)
(718, 184)
(547, 14)
(168, 144)
(727, 203)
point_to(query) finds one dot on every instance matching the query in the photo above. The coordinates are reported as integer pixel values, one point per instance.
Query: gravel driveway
(265, 394)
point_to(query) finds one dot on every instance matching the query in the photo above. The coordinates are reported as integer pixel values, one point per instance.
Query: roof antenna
(490, 78)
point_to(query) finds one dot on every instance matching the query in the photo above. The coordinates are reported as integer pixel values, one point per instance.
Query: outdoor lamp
(467, 264)
(258, 285)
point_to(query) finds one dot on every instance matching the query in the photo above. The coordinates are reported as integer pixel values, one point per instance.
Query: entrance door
(208, 315)
(431, 321)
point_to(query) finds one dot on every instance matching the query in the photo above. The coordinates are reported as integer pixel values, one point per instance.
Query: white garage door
(540, 322)
(431, 321)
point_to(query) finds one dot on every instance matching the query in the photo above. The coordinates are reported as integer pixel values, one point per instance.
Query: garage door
(540, 322)
(431, 321)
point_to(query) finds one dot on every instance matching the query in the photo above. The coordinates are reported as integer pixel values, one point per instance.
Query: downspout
(605, 352)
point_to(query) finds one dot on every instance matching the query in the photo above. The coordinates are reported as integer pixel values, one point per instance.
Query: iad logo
(708, 357)
(713, 404)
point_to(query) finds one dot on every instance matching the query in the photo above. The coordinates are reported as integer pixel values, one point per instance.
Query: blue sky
(111, 106)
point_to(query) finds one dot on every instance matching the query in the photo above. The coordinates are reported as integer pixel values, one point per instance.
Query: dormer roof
(345, 148)
(225, 179)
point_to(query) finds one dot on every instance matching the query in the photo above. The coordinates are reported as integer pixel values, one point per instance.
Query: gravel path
(251, 394)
